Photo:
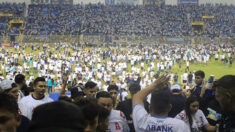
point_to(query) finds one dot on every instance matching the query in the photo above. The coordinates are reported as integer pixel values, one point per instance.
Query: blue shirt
(49, 82)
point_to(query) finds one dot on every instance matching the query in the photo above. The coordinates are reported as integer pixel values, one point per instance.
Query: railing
(123, 40)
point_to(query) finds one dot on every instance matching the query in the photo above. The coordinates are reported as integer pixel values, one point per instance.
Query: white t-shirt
(117, 122)
(124, 95)
(199, 120)
(144, 122)
(28, 104)
(35, 64)
(185, 76)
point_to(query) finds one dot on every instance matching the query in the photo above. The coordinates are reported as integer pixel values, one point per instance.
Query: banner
(175, 40)
(198, 23)
(208, 17)
(63, 2)
(188, 1)
(6, 44)
(3, 15)
(15, 44)
(16, 21)
(153, 2)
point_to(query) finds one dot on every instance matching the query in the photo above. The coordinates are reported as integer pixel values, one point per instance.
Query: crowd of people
(8, 12)
(129, 20)
(105, 65)
(91, 110)
(103, 77)
(165, 20)
(117, 89)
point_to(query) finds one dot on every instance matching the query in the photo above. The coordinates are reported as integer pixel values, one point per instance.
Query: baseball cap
(7, 84)
(176, 87)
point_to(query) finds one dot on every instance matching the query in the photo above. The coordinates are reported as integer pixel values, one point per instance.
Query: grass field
(215, 68)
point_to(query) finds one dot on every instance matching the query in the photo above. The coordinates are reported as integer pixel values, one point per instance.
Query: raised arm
(62, 91)
(158, 84)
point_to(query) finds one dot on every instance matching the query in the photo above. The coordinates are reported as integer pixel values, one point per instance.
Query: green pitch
(216, 68)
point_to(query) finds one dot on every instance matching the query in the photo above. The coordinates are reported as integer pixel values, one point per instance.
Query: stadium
(80, 50)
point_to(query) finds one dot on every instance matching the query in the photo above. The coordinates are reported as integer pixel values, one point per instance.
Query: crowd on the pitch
(108, 64)
(100, 80)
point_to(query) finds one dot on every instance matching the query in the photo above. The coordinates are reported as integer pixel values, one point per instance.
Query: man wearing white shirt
(30, 102)
(35, 66)
(20, 69)
(157, 120)
(117, 119)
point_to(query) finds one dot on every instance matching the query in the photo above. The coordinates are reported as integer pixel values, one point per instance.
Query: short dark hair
(160, 101)
(89, 109)
(65, 98)
(112, 87)
(226, 82)
(8, 103)
(45, 118)
(19, 78)
(90, 85)
(75, 92)
(38, 79)
(103, 94)
(200, 73)
(134, 87)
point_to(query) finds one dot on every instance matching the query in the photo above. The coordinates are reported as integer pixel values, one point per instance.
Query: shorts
(184, 81)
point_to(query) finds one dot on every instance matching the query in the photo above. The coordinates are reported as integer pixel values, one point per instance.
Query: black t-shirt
(227, 122)
(126, 108)
(177, 101)
(211, 109)
(24, 126)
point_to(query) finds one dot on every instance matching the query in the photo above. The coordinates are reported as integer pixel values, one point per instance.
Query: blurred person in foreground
(10, 87)
(59, 116)
(9, 115)
(225, 95)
